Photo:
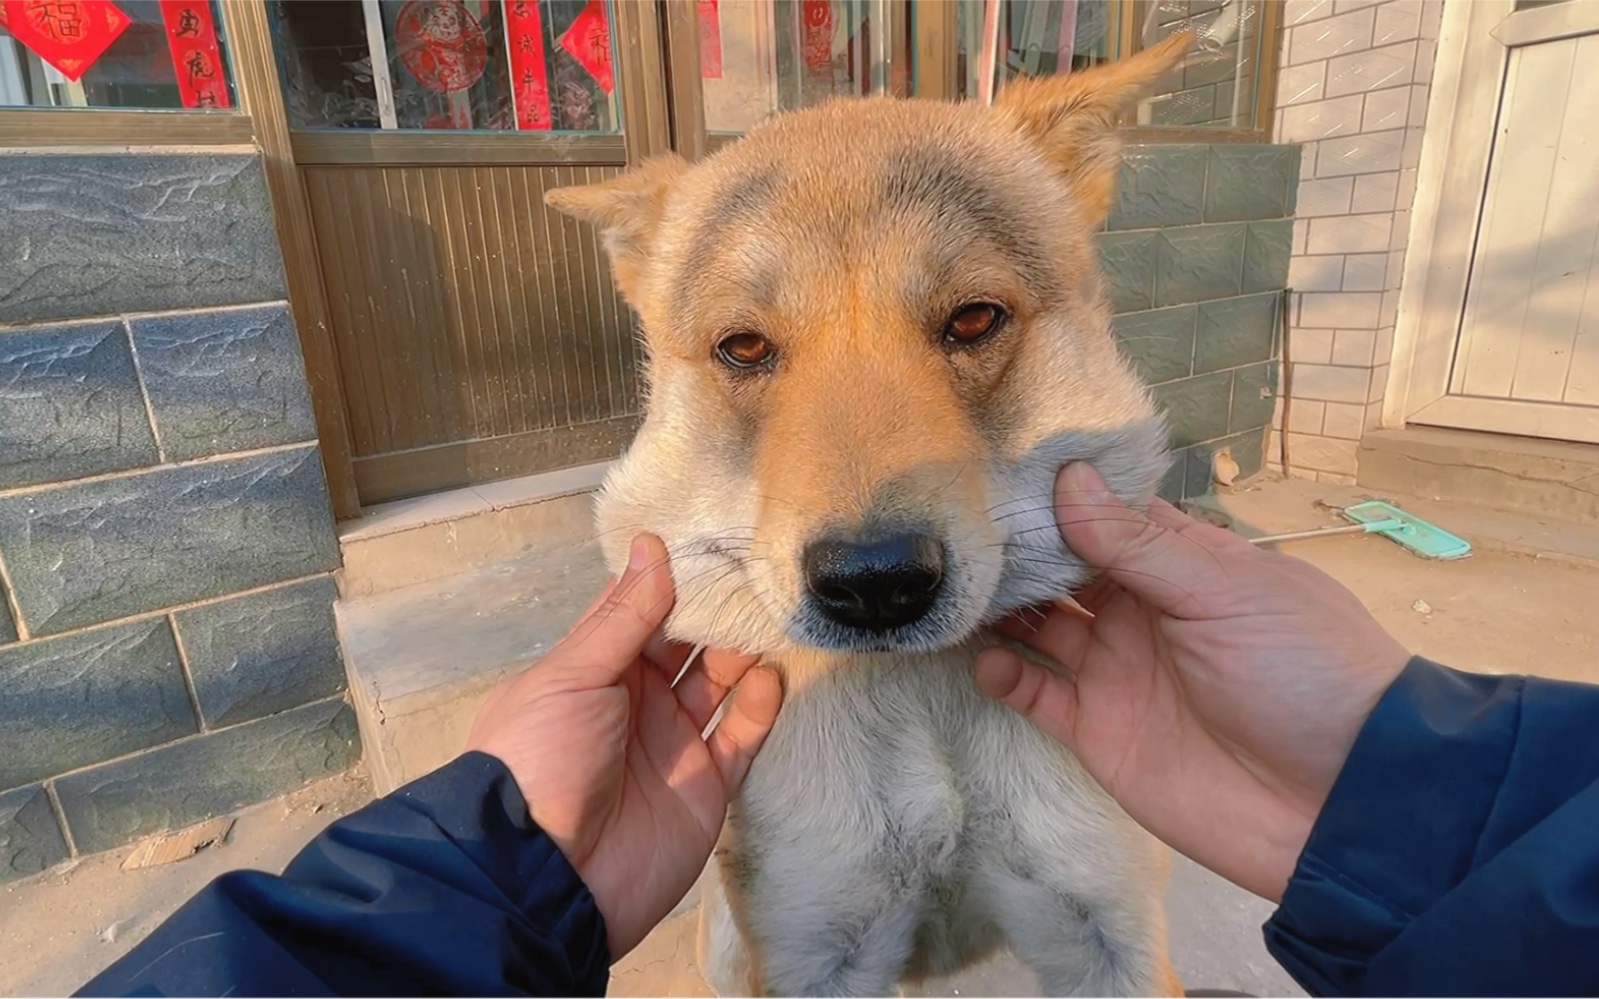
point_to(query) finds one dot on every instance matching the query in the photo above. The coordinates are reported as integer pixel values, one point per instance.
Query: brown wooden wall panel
(463, 309)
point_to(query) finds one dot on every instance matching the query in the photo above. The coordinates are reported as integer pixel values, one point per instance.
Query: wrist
(1260, 850)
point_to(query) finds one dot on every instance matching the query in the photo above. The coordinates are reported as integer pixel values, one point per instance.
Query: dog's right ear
(626, 210)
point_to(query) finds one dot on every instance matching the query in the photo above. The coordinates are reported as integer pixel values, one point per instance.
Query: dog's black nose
(876, 585)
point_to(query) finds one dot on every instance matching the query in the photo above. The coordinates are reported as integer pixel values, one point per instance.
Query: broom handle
(1272, 539)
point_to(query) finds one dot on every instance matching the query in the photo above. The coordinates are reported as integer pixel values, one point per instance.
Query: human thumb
(1042, 696)
(613, 633)
(1150, 554)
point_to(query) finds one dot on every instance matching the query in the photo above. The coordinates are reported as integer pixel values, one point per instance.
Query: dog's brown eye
(745, 350)
(971, 323)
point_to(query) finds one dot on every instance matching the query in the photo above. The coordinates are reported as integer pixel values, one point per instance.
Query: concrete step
(395, 545)
(1549, 479)
(422, 657)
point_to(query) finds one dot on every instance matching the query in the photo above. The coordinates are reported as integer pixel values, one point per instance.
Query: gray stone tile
(69, 404)
(1245, 449)
(1159, 185)
(196, 779)
(30, 838)
(98, 234)
(96, 551)
(1159, 342)
(1249, 450)
(1196, 408)
(228, 380)
(262, 653)
(1235, 331)
(1128, 261)
(1266, 253)
(1254, 396)
(1199, 262)
(1251, 182)
(1199, 477)
(84, 698)
(1171, 486)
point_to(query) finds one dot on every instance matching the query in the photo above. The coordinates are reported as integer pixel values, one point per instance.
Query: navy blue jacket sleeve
(445, 887)
(1458, 853)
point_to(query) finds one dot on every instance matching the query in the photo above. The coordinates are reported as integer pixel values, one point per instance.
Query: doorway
(1506, 335)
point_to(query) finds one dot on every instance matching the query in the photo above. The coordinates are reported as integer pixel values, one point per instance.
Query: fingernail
(1081, 477)
(639, 555)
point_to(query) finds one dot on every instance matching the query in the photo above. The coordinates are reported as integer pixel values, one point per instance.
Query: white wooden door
(1513, 275)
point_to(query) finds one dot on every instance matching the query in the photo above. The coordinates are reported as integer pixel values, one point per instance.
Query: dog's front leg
(824, 928)
(859, 951)
(1079, 945)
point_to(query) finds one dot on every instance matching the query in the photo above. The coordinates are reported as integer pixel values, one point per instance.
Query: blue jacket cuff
(1402, 824)
(515, 853)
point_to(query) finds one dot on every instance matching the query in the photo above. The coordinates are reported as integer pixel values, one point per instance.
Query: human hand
(1216, 691)
(609, 754)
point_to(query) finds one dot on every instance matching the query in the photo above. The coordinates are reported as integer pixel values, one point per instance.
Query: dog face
(875, 331)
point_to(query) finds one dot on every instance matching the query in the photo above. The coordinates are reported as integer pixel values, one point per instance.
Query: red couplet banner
(710, 40)
(196, 53)
(818, 43)
(524, 28)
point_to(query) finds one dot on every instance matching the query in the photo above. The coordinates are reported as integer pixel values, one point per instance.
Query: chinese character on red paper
(196, 53)
(531, 95)
(589, 42)
(68, 34)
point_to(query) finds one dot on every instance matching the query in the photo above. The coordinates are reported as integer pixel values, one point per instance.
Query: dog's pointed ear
(626, 210)
(1073, 117)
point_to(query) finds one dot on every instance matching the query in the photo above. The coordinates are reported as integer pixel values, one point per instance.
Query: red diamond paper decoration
(589, 42)
(68, 34)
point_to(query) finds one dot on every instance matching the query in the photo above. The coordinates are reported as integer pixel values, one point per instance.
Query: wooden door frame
(255, 69)
(1474, 43)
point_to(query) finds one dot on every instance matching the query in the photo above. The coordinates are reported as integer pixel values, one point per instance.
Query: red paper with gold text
(196, 53)
(524, 27)
(589, 42)
(68, 34)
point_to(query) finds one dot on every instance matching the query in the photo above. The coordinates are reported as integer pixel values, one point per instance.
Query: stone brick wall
(167, 649)
(1353, 89)
(1196, 255)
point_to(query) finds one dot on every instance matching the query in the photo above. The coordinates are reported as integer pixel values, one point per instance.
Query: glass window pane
(143, 54)
(999, 40)
(1216, 86)
(758, 57)
(518, 65)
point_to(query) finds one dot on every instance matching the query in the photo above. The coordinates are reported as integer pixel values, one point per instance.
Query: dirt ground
(1522, 603)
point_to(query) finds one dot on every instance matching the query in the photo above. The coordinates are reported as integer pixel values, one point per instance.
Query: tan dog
(876, 329)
